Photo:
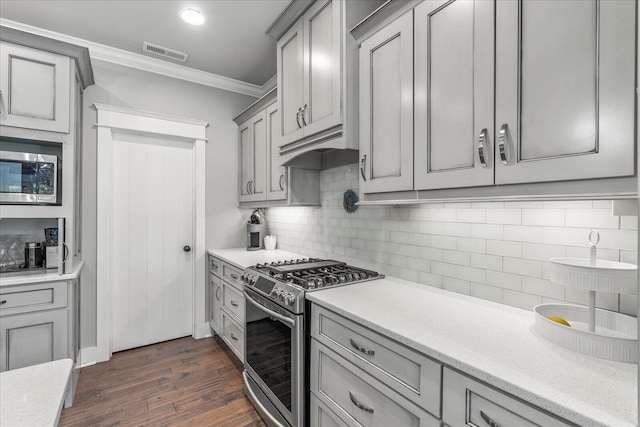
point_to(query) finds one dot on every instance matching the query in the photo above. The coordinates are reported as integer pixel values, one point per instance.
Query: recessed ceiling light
(192, 16)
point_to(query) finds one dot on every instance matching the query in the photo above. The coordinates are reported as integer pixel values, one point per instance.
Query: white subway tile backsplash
(520, 299)
(504, 216)
(522, 267)
(456, 285)
(542, 287)
(521, 233)
(488, 262)
(497, 251)
(504, 280)
(591, 218)
(471, 245)
(470, 215)
(535, 251)
(546, 217)
(504, 248)
(490, 293)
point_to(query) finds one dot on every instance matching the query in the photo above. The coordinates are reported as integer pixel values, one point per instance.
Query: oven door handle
(271, 313)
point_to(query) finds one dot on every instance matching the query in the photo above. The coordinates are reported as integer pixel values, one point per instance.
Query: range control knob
(288, 299)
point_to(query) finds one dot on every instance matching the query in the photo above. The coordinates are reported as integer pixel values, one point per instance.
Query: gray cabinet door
(253, 158)
(33, 338)
(276, 174)
(322, 25)
(215, 313)
(34, 88)
(290, 64)
(454, 94)
(386, 108)
(565, 84)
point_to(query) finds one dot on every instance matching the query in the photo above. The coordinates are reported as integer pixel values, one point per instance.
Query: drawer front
(322, 416)
(467, 402)
(214, 265)
(28, 298)
(231, 274)
(233, 302)
(411, 374)
(233, 335)
(359, 397)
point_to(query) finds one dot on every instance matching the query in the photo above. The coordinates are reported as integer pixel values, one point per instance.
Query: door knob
(187, 248)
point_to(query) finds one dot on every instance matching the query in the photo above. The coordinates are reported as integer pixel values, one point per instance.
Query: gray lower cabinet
(226, 304)
(38, 324)
(362, 378)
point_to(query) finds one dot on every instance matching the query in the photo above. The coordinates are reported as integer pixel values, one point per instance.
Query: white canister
(269, 242)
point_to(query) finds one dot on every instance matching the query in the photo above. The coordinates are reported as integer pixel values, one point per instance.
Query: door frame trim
(112, 119)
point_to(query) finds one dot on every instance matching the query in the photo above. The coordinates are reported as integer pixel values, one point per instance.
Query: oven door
(274, 358)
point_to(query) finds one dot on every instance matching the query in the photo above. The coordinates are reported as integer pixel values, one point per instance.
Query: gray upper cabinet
(276, 174)
(35, 87)
(454, 71)
(386, 108)
(253, 155)
(565, 75)
(309, 73)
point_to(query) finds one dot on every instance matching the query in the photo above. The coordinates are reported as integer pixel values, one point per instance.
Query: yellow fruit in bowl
(559, 319)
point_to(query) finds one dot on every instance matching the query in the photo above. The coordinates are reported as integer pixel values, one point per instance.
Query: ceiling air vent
(164, 51)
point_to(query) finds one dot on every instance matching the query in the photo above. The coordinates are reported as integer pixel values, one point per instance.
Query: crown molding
(134, 60)
(270, 84)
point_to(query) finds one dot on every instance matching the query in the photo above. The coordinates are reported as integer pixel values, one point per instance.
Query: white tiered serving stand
(601, 333)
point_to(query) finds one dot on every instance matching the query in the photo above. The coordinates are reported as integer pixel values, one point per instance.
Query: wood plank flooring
(183, 382)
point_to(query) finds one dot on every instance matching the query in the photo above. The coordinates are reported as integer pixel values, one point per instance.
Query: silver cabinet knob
(187, 248)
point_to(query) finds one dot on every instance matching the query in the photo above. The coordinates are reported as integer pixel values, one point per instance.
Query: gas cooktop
(285, 282)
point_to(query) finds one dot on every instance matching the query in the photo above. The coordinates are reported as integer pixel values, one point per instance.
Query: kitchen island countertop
(33, 396)
(494, 343)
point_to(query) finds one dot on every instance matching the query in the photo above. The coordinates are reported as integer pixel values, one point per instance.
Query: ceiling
(231, 43)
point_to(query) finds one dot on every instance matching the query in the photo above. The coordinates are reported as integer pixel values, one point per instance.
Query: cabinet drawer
(28, 298)
(233, 302)
(409, 373)
(214, 265)
(322, 416)
(359, 397)
(467, 402)
(233, 335)
(231, 274)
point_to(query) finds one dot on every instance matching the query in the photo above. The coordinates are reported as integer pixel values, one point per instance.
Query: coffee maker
(256, 230)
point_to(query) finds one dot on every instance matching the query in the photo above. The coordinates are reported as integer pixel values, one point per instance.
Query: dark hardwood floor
(180, 382)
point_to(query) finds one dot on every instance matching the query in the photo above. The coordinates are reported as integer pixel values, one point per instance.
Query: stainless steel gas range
(276, 332)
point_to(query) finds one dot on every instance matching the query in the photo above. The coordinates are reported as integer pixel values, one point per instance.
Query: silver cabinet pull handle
(488, 420)
(298, 117)
(482, 147)
(4, 301)
(218, 294)
(234, 303)
(502, 136)
(234, 336)
(358, 404)
(304, 112)
(246, 187)
(214, 266)
(251, 187)
(362, 163)
(361, 349)
(234, 276)
(280, 182)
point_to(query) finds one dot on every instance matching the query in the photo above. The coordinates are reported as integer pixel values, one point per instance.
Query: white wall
(495, 251)
(126, 87)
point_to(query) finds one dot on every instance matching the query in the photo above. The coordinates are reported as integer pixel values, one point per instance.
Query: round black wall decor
(349, 201)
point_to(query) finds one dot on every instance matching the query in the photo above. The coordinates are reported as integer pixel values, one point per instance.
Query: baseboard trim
(88, 356)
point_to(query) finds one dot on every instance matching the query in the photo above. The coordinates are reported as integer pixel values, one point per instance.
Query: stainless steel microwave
(29, 178)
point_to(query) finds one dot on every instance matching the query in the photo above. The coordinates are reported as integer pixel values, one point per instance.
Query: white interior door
(152, 220)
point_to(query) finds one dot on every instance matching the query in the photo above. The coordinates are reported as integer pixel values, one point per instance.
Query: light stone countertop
(243, 258)
(33, 396)
(494, 343)
(50, 276)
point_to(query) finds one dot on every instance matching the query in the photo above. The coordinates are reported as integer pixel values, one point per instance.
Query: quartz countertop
(49, 276)
(33, 396)
(243, 258)
(494, 343)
